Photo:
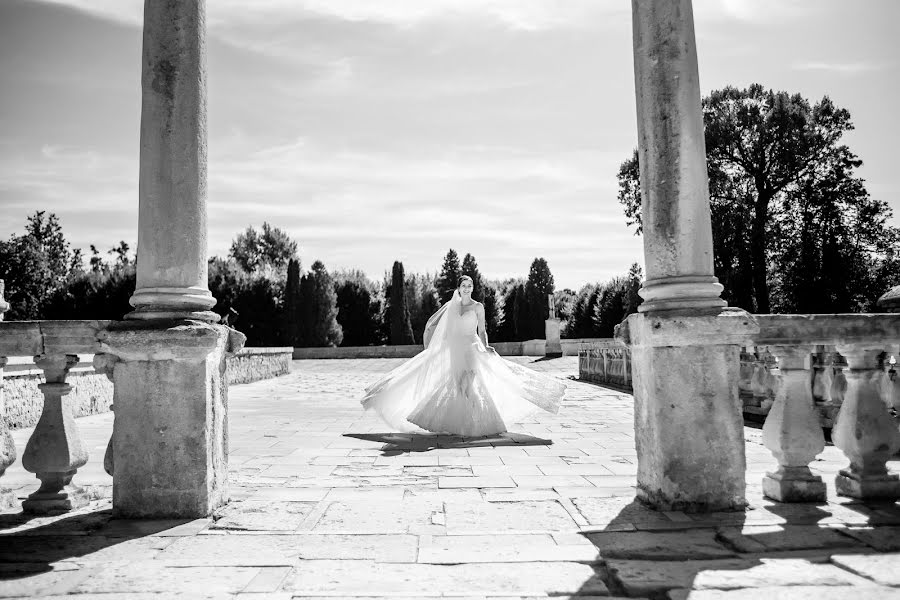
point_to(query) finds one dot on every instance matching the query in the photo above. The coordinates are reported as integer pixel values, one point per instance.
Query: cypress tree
(401, 328)
(448, 279)
(292, 301)
(470, 268)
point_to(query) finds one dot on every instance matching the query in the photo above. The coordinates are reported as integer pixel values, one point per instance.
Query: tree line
(262, 290)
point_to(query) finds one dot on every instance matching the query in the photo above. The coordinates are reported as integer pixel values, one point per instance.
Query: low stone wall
(92, 392)
(529, 348)
(255, 364)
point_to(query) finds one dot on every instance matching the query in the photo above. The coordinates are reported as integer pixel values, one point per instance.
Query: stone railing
(605, 361)
(835, 369)
(55, 451)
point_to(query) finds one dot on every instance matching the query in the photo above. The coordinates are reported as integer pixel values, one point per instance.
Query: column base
(879, 487)
(49, 503)
(170, 443)
(162, 303)
(794, 484)
(688, 420)
(680, 293)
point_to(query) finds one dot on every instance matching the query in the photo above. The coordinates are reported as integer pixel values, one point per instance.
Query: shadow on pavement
(35, 550)
(398, 443)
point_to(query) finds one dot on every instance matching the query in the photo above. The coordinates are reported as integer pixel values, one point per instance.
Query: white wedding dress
(459, 387)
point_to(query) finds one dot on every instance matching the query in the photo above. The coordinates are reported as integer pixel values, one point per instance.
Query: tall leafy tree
(448, 278)
(513, 326)
(359, 309)
(776, 163)
(470, 268)
(491, 311)
(318, 309)
(292, 304)
(34, 265)
(401, 328)
(271, 247)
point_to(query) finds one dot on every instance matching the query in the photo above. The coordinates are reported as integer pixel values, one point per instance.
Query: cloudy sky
(382, 130)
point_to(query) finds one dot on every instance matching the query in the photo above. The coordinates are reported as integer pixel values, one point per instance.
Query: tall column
(685, 343)
(172, 253)
(678, 248)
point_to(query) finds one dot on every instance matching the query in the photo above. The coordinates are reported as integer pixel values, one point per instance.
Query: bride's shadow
(398, 443)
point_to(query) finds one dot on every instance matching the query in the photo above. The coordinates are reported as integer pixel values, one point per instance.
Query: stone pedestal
(688, 420)
(170, 442)
(553, 347)
(55, 452)
(792, 431)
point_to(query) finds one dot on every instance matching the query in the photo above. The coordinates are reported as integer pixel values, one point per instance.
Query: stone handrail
(605, 361)
(54, 452)
(832, 368)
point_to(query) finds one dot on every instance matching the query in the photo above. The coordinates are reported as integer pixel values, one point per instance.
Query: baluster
(7, 446)
(792, 431)
(626, 370)
(771, 380)
(745, 373)
(839, 386)
(106, 363)
(55, 452)
(604, 355)
(865, 431)
(758, 380)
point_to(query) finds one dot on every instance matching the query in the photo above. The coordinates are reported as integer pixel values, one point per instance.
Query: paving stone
(289, 494)
(883, 539)
(639, 577)
(158, 577)
(618, 510)
(454, 549)
(491, 481)
(50, 549)
(380, 548)
(507, 517)
(694, 544)
(263, 516)
(762, 538)
(881, 568)
(366, 517)
(793, 592)
(550, 481)
(226, 550)
(354, 578)
(27, 580)
(777, 572)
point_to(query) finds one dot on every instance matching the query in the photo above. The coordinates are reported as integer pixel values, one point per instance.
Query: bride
(458, 384)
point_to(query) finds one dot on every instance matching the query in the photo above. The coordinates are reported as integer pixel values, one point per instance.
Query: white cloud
(846, 68)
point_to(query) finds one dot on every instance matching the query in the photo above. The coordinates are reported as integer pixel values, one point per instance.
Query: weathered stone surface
(697, 544)
(378, 548)
(365, 517)
(225, 550)
(507, 517)
(604, 512)
(883, 539)
(171, 418)
(355, 578)
(777, 572)
(688, 421)
(881, 568)
(791, 592)
(263, 516)
(159, 577)
(455, 549)
(255, 364)
(79, 548)
(762, 538)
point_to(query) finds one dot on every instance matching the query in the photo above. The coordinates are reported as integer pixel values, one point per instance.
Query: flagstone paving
(327, 502)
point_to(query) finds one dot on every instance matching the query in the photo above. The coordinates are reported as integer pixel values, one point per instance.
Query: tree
(359, 308)
(512, 327)
(35, 265)
(470, 268)
(318, 309)
(257, 298)
(772, 157)
(401, 328)
(421, 298)
(292, 302)
(448, 279)
(271, 247)
(537, 289)
(491, 311)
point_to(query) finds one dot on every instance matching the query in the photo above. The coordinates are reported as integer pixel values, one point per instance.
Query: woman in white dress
(458, 384)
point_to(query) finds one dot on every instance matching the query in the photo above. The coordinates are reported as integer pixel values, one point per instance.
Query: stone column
(792, 431)
(55, 452)
(678, 248)
(865, 431)
(172, 253)
(685, 343)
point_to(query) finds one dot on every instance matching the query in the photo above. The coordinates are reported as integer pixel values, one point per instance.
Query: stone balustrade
(54, 452)
(605, 361)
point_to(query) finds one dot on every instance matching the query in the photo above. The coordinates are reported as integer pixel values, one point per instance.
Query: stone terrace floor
(328, 503)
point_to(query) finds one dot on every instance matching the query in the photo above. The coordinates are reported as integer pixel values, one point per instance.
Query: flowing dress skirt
(463, 389)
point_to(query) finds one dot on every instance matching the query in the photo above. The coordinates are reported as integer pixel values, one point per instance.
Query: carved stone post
(106, 363)
(792, 431)
(55, 452)
(865, 431)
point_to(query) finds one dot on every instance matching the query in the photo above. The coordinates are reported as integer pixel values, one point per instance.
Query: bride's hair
(465, 278)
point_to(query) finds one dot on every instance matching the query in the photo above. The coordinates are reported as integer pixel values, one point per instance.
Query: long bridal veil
(456, 385)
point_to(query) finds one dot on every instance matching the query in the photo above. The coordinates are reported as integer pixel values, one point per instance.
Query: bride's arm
(482, 330)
